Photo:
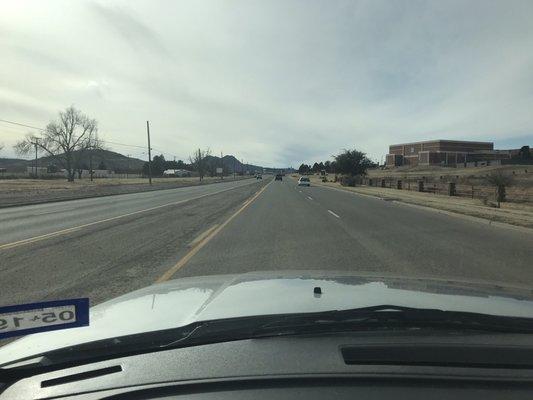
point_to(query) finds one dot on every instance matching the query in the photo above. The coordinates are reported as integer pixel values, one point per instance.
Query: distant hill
(110, 159)
(119, 162)
(229, 163)
(13, 164)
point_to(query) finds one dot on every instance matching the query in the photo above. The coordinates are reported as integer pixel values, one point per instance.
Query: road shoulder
(509, 216)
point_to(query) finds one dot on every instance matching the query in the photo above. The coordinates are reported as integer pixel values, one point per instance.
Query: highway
(103, 247)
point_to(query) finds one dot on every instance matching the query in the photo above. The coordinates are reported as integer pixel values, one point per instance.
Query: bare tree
(65, 140)
(500, 181)
(198, 161)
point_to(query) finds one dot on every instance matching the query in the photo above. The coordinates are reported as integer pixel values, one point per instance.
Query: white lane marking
(75, 228)
(332, 213)
(309, 197)
(300, 191)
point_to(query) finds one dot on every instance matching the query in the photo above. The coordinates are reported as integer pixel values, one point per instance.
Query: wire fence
(522, 192)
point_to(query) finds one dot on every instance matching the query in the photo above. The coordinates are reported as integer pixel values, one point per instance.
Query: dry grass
(520, 214)
(31, 191)
(437, 172)
(62, 184)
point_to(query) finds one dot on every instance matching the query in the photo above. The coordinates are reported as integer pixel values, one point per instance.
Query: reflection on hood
(183, 301)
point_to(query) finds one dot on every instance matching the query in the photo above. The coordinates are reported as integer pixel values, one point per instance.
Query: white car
(304, 181)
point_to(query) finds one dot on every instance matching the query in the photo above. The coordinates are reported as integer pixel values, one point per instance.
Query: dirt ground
(474, 172)
(522, 175)
(520, 214)
(31, 191)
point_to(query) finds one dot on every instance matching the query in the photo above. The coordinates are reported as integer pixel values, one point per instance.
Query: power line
(18, 123)
(122, 144)
(104, 141)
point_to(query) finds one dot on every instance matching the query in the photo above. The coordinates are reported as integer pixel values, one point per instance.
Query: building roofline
(441, 141)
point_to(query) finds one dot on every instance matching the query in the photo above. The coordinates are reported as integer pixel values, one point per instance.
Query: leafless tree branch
(65, 139)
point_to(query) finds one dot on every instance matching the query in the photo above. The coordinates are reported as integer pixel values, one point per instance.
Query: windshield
(168, 163)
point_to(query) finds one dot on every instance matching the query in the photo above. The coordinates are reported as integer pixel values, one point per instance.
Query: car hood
(183, 301)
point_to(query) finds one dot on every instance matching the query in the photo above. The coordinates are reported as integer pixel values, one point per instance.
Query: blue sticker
(24, 319)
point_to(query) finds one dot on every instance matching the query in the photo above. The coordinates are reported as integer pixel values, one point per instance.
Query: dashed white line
(300, 191)
(332, 213)
(309, 197)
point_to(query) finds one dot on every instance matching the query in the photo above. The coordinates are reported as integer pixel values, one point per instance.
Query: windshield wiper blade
(240, 328)
(392, 316)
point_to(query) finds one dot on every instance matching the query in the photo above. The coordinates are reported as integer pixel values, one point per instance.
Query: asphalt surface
(103, 247)
(19, 223)
(130, 241)
(291, 227)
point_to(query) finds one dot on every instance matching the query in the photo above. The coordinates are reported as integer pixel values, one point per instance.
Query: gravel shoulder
(18, 192)
(517, 214)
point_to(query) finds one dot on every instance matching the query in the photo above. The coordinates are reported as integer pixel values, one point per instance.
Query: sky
(275, 83)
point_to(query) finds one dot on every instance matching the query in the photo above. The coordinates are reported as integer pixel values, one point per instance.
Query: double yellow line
(207, 236)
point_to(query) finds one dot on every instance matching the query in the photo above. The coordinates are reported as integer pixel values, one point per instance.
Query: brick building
(443, 152)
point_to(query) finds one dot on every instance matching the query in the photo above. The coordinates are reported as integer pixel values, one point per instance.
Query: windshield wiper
(215, 331)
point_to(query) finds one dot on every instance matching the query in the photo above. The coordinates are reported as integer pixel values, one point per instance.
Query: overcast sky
(274, 82)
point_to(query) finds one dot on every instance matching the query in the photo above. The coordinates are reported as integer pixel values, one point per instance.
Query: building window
(412, 149)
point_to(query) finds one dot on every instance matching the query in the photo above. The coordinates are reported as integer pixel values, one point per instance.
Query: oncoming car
(304, 181)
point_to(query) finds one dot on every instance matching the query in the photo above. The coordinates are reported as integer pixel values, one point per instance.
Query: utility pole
(128, 170)
(91, 164)
(149, 153)
(234, 159)
(222, 166)
(35, 143)
(200, 165)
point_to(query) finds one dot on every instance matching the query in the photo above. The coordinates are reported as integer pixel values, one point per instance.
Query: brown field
(30, 191)
(62, 184)
(519, 214)
(520, 172)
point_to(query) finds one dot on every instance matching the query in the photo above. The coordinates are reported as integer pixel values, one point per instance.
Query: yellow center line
(75, 228)
(202, 235)
(168, 274)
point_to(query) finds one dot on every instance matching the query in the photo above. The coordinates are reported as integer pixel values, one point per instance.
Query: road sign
(219, 170)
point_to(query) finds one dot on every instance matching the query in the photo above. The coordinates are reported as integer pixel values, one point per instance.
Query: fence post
(399, 185)
(472, 191)
(451, 189)
(383, 183)
(420, 186)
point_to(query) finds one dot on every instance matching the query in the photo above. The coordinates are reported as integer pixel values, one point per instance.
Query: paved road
(285, 227)
(321, 228)
(125, 242)
(19, 223)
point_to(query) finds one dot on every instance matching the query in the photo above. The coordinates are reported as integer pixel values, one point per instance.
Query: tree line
(348, 162)
(159, 165)
(73, 135)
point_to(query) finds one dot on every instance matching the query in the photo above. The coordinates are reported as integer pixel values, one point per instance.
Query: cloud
(130, 27)
(277, 82)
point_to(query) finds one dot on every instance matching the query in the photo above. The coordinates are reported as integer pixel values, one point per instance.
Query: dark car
(279, 177)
